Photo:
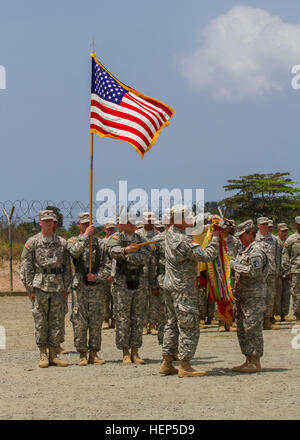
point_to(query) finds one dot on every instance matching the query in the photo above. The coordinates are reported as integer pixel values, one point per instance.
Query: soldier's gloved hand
(131, 249)
(32, 296)
(154, 292)
(90, 230)
(91, 277)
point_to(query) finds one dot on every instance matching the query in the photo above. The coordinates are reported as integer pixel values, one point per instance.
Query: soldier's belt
(48, 271)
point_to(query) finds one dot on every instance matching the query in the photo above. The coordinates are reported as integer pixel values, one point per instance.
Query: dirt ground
(4, 277)
(117, 391)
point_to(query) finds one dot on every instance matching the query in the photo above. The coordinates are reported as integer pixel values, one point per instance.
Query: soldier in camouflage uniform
(153, 301)
(272, 248)
(87, 291)
(129, 288)
(233, 245)
(291, 267)
(109, 322)
(283, 294)
(251, 269)
(160, 262)
(46, 273)
(182, 300)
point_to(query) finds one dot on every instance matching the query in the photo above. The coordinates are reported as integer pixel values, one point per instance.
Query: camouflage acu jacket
(272, 248)
(291, 255)
(182, 256)
(46, 264)
(251, 271)
(78, 248)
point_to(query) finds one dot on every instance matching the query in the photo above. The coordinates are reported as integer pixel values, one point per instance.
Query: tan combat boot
(82, 359)
(297, 323)
(152, 328)
(135, 356)
(105, 324)
(239, 367)
(221, 328)
(167, 366)
(44, 362)
(185, 370)
(277, 318)
(202, 323)
(269, 326)
(286, 318)
(94, 359)
(232, 328)
(253, 366)
(126, 356)
(54, 360)
(145, 329)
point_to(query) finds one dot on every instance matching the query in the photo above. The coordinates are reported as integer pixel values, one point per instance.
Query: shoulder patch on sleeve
(115, 237)
(71, 241)
(27, 246)
(256, 261)
(195, 244)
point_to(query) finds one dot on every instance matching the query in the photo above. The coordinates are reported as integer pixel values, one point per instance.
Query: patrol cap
(47, 214)
(149, 215)
(297, 219)
(270, 223)
(159, 224)
(55, 217)
(108, 225)
(246, 226)
(166, 216)
(181, 212)
(139, 224)
(262, 220)
(127, 217)
(84, 217)
(282, 227)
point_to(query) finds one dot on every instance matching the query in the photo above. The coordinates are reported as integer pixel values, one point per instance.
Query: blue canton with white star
(105, 86)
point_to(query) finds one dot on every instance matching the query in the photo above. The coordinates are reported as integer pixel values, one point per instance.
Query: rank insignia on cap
(27, 246)
(194, 244)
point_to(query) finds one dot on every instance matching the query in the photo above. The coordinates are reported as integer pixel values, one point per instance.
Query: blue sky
(163, 49)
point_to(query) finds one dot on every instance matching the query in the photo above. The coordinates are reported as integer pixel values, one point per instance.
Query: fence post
(9, 217)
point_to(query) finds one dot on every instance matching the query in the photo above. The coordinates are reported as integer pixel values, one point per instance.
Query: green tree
(272, 195)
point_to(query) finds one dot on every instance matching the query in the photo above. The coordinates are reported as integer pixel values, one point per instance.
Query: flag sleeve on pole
(120, 112)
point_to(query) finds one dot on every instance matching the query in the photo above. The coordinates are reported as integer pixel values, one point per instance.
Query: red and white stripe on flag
(123, 113)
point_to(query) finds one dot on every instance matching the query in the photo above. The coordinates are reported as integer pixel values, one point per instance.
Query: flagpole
(91, 200)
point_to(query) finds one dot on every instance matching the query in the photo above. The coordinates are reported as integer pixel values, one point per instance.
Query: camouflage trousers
(108, 302)
(271, 293)
(129, 309)
(162, 317)
(296, 294)
(206, 308)
(152, 306)
(249, 320)
(49, 315)
(283, 295)
(65, 311)
(181, 334)
(87, 316)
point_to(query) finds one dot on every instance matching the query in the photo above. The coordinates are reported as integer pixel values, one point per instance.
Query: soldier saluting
(46, 273)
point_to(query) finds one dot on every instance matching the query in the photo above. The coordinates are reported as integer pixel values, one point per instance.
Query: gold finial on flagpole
(93, 45)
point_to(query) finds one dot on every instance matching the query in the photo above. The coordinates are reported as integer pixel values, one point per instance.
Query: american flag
(123, 113)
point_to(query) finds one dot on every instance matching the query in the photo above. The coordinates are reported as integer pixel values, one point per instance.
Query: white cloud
(246, 53)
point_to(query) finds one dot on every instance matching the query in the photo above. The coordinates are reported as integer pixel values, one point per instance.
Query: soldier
(159, 227)
(129, 287)
(87, 291)
(153, 303)
(109, 322)
(233, 246)
(182, 329)
(60, 349)
(291, 267)
(251, 268)
(283, 294)
(46, 273)
(270, 226)
(272, 248)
